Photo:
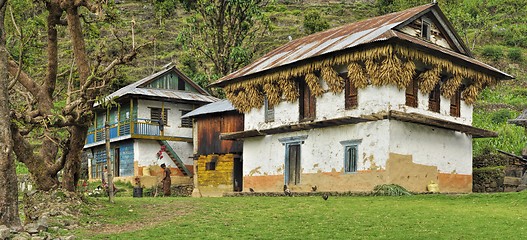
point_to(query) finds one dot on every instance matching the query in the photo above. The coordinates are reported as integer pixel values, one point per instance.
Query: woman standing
(166, 180)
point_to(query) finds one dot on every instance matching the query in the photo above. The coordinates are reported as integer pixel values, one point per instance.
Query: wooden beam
(167, 138)
(440, 123)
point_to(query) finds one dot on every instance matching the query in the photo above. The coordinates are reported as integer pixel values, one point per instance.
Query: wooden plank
(167, 138)
(440, 123)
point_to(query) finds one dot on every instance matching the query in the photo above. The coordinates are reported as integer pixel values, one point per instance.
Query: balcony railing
(140, 126)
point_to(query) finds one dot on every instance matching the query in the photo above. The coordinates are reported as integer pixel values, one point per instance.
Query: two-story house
(145, 127)
(384, 100)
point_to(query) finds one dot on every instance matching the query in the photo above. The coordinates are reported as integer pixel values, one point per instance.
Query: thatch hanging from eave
(382, 65)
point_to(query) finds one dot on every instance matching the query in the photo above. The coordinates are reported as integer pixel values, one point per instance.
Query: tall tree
(8, 179)
(57, 104)
(224, 32)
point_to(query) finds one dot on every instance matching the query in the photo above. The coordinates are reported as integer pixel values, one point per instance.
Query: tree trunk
(8, 180)
(73, 160)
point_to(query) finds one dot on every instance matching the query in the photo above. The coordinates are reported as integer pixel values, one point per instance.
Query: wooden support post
(132, 120)
(108, 159)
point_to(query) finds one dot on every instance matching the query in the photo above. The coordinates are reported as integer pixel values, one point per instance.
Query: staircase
(173, 155)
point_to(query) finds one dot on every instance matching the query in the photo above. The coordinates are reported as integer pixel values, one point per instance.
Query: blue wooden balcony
(138, 128)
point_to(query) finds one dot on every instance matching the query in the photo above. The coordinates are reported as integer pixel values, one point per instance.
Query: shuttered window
(411, 93)
(351, 93)
(269, 111)
(186, 122)
(455, 104)
(307, 102)
(434, 100)
(155, 115)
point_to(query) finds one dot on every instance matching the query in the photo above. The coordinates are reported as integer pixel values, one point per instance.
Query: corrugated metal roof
(328, 41)
(338, 39)
(215, 107)
(136, 89)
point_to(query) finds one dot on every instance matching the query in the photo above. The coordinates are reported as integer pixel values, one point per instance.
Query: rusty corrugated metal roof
(337, 39)
(215, 107)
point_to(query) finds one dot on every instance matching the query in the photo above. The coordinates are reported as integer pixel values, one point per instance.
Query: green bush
(502, 116)
(390, 190)
(313, 22)
(494, 53)
(515, 54)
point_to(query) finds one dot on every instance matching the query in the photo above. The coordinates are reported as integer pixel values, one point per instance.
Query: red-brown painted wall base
(400, 169)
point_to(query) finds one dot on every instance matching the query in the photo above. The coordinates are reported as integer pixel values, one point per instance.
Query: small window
(350, 158)
(210, 166)
(269, 111)
(181, 84)
(434, 100)
(351, 100)
(411, 93)
(455, 104)
(186, 122)
(307, 102)
(425, 30)
(156, 114)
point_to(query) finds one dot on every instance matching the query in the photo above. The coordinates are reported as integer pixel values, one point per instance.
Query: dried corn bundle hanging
(273, 92)
(470, 94)
(407, 74)
(428, 79)
(335, 82)
(255, 97)
(356, 75)
(290, 89)
(241, 102)
(389, 71)
(451, 86)
(314, 85)
(373, 70)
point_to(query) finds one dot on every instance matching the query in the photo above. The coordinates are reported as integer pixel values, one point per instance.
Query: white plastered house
(384, 100)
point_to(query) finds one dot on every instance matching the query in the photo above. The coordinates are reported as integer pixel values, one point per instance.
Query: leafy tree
(8, 179)
(53, 91)
(313, 22)
(223, 33)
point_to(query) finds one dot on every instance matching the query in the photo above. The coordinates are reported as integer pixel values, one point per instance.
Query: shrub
(494, 53)
(390, 190)
(313, 22)
(515, 54)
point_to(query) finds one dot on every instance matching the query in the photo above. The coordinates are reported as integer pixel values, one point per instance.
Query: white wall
(371, 100)
(450, 151)
(173, 127)
(321, 151)
(145, 152)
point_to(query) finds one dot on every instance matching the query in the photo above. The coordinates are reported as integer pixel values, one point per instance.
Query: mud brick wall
(215, 170)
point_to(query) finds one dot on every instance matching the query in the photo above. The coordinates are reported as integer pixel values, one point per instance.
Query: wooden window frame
(154, 117)
(186, 122)
(351, 94)
(268, 111)
(307, 103)
(434, 99)
(426, 29)
(412, 92)
(455, 104)
(351, 155)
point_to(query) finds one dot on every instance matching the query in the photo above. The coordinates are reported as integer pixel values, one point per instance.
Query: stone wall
(489, 172)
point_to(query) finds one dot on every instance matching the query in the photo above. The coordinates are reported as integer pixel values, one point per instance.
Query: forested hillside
(495, 30)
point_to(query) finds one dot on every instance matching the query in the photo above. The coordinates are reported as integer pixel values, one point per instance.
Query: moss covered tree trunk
(8, 179)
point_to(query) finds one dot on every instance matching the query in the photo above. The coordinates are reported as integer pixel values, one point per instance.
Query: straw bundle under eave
(428, 79)
(254, 96)
(450, 87)
(406, 75)
(471, 93)
(314, 84)
(241, 102)
(273, 92)
(390, 71)
(372, 68)
(356, 75)
(334, 81)
(290, 89)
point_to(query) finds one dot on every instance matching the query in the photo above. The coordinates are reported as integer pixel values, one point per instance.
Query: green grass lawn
(473, 216)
